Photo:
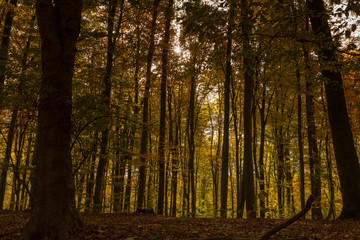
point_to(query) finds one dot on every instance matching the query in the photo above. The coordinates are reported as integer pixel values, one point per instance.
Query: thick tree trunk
(145, 117)
(248, 90)
(345, 152)
(225, 147)
(54, 215)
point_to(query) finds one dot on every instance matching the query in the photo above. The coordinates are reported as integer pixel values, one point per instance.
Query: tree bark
(4, 48)
(106, 94)
(225, 147)
(174, 145)
(237, 149)
(6, 162)
(191, 139)
(145, 117)
(314, 157)
(300, 139)
(91, 174)
(248, 75)
(261, 154)
(345, 152)
(54, 215)
(162, 132)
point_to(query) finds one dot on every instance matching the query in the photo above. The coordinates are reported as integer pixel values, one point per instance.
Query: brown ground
(151, 226)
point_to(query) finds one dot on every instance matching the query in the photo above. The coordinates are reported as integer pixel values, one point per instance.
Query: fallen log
(274, 230)
(283, 225)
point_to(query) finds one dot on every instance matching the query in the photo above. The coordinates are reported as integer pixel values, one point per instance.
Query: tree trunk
(331, 213)
(248, 75)
(100, 183)
(237, 151)
(345, 152)
(54, 215)
(261, 154)
(314, 157)
(145, 130)
(300, 139)
(4, 48)
(91, 175)
(174, 157)
(162, 132)
(280, 170)
(25, 188)
(225, 147)
(7, 157)
(191, 140)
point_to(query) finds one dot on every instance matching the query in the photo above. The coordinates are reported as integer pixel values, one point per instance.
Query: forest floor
(136, 226)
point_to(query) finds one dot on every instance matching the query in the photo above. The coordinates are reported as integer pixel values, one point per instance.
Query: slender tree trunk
(136, 110)
(54, 214)
(300, 139)
(24, 190)
(191, 136)
(145, 130)
(19, 147)
(237, 152)
(225, 147)
(174, 157)
(331, 213)
(4, 48)
(314, 156)
(91, 175)
(162, 132)
(11, 132)
(345, 152)
(119, 169)
(100, 183)
(261, 154)
(7, 157)
(280, 171)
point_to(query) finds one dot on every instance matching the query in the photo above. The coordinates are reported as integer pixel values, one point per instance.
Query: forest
(230, 109)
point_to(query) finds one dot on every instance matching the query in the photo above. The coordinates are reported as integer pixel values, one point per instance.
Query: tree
(145, 117)
(314, 156)
(4, 48)
(112, 35)
(225, 147)
(345, 152)
(54, 215)
(162, 131)
(246, 27)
